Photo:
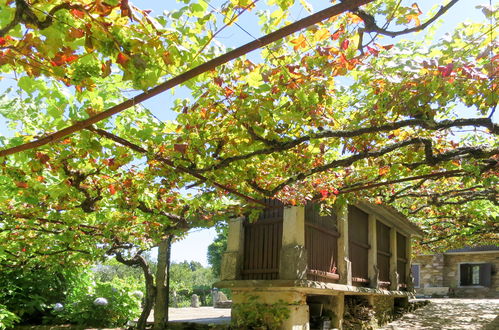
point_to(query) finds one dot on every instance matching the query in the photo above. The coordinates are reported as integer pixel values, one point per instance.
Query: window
(475, 274)
(415, 275)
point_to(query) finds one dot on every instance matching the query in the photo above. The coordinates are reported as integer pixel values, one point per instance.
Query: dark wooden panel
(382, 237)
(313, 216)
(262, 244)
(401, 258)
(384, 267)
(358, 243)
(384, 252)
(322, 253)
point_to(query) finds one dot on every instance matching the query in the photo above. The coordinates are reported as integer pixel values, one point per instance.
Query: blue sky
(194, 246)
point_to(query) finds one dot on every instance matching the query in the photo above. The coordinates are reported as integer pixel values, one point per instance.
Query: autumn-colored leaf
(321, 34)
(21, 184)
(180, 147)
(77, 13)
(337, 34)
(383, 170)
(167, 58)
(446, 70)
(42, 157)
(344, 44)
(112, 189)
(299, 42)
(122, 59)
(373, 51)
(106, 68)
(76, 33)
(228, 92)
(324, 193)
(415, 18)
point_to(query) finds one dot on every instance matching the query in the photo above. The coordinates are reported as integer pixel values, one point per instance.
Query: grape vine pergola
(329, 113)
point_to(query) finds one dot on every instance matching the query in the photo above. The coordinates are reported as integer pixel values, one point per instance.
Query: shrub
(253, 314)
(29, 294)
(7, 319)
(109, 304)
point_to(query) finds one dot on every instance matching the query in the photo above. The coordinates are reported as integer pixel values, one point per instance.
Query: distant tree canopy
(217, 248)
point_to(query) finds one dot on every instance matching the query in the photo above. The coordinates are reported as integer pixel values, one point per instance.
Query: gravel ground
(458, 314)
(197, 315)
(448, 314)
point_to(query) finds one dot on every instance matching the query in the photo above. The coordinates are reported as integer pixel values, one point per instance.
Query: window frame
(460, 285)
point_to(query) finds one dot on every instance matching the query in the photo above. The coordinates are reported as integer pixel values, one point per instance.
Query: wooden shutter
(465, 271)
(485, 274)
(415, 275)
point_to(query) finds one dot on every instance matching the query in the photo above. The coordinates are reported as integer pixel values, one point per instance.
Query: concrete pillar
(293, 258)
(338, 304)
(344, 264)
(408, 269)
(372, 256)
(394, 276)
(232, 257)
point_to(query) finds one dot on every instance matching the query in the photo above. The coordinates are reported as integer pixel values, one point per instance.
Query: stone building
(317, 264)
(470, 272)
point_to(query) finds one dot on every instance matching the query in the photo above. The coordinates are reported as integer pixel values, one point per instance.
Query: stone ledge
(309, 287)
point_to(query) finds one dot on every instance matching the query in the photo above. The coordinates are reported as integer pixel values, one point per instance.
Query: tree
(217, 248)
(331, 113)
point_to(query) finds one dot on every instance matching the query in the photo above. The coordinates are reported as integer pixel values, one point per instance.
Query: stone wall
(431, 268)
(439, 275)
(451, 278)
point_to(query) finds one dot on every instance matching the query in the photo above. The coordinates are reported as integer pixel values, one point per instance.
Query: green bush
(108, 304)
(253, 314)
(7, 319)
(30, 293)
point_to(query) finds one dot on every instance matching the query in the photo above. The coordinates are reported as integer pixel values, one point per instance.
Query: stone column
(293, 259)
(344, 264)
(338, 304)
(232, 257)
(372, 256)
(394, 276)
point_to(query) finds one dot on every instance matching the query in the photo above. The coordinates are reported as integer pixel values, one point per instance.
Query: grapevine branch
(170, 163)
(277, 146)
(24, 14)
(175, 81)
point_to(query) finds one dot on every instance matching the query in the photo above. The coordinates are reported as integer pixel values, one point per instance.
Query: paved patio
(198, 315)
(450, 314)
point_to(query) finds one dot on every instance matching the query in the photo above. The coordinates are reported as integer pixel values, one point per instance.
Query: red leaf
(324, 193)
(336, 35)
(70, 58)
(373, 51)
(2, 41)
(77, 13)
(336, 191)
(112, 189)
(228, 91)
(344, 44)
(122, 59)
(446, 70)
